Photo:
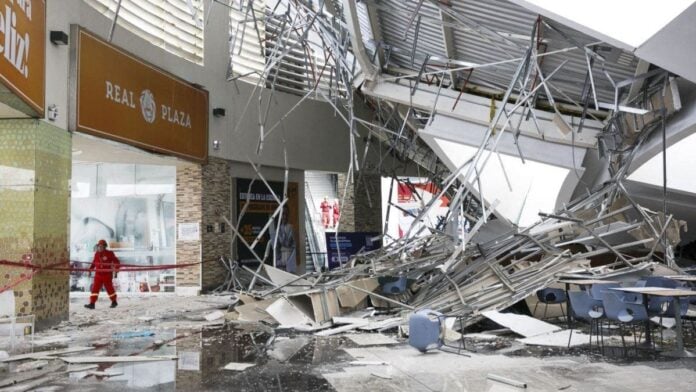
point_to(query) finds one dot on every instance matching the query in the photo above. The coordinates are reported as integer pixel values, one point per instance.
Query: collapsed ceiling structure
(529, 128)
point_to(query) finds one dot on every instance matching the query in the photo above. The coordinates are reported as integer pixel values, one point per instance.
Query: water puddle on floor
(280, 362)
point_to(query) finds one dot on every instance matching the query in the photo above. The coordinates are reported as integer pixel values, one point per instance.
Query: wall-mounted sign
(189, 232)
(23, 50)
(123, 98)
(340, 247)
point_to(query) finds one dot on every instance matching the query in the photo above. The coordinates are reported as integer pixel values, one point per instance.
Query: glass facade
(132, 207)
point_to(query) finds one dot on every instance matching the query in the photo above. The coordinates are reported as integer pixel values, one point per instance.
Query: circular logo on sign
(147, 106)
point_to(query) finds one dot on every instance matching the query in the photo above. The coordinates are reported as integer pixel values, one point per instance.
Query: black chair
(550, 296)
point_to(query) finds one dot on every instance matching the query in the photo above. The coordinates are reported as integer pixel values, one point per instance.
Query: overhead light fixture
(219, 112)
(58, 37)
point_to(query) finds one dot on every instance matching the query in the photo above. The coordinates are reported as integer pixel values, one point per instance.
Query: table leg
(679, 352)
(648, 335)
(569, 313)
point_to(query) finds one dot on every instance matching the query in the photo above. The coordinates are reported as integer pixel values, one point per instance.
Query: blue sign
(349, 244)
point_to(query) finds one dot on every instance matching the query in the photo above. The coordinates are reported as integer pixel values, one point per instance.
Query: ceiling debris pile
(544, 81)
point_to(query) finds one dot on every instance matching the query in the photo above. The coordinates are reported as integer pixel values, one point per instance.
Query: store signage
(258, 203)
(23, 50)
(340, 247)
(123, 98)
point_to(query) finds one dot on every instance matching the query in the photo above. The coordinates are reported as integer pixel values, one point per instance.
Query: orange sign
(123, 98)
(23, 50)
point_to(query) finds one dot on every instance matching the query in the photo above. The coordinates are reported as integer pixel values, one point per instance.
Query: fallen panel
(287, 280)
(254, 311)
(106, 373)
(117, 359)
(320, 305)
(214, 315)
(343, 328)
(238, 366)
(287, 314)
(285, 349)
(521, 324)
(371, 339)
(558, 339)
(43, 354)
(350, 298)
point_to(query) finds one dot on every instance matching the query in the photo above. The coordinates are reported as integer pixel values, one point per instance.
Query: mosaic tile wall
(203, 194)
(35, 163)
(216, 202)
(189, 189)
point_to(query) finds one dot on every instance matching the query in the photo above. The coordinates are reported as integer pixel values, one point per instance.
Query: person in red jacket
(106, 265)
(325, 212)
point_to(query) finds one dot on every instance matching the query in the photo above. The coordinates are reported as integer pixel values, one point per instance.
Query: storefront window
(132, 208)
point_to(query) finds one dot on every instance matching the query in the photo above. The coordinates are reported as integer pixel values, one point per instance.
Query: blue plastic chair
(550, 296)
(598, 288)
(588, 309)
(393, 285)
(624, 313)
(661, 281)
(424, 330)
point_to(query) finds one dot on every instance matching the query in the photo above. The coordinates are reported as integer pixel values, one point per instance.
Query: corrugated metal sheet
(488, 31)
(174, 25)
(297, 71)
(394, 16)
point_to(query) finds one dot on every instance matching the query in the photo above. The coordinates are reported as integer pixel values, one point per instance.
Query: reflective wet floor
(281, 362)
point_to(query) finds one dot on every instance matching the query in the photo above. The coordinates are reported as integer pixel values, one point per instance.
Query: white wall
(316, 139)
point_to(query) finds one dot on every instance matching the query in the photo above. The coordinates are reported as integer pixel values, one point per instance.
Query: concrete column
(189, 209)
(216, 234)
(35, 167)
(362, 209)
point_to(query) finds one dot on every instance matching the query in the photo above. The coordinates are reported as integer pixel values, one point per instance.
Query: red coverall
(325, 218)
(336, 214)
(105, 263)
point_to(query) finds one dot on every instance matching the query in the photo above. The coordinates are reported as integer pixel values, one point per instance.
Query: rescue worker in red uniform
(106, 265)
(336, 213)
(325, 212)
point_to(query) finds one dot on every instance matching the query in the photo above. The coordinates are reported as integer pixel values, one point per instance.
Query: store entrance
(126, 197)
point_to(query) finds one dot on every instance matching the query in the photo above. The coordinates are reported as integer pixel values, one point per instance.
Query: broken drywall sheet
(285, 313)
(320, 305)
(285, 348)
(337, 330)
(371, 339)
(43, 354)
(558, 339)
(238, 366)
(254, 311)
(216, 315)
(113, 359)
(349, 298)
(521, 324)
(288, 281)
